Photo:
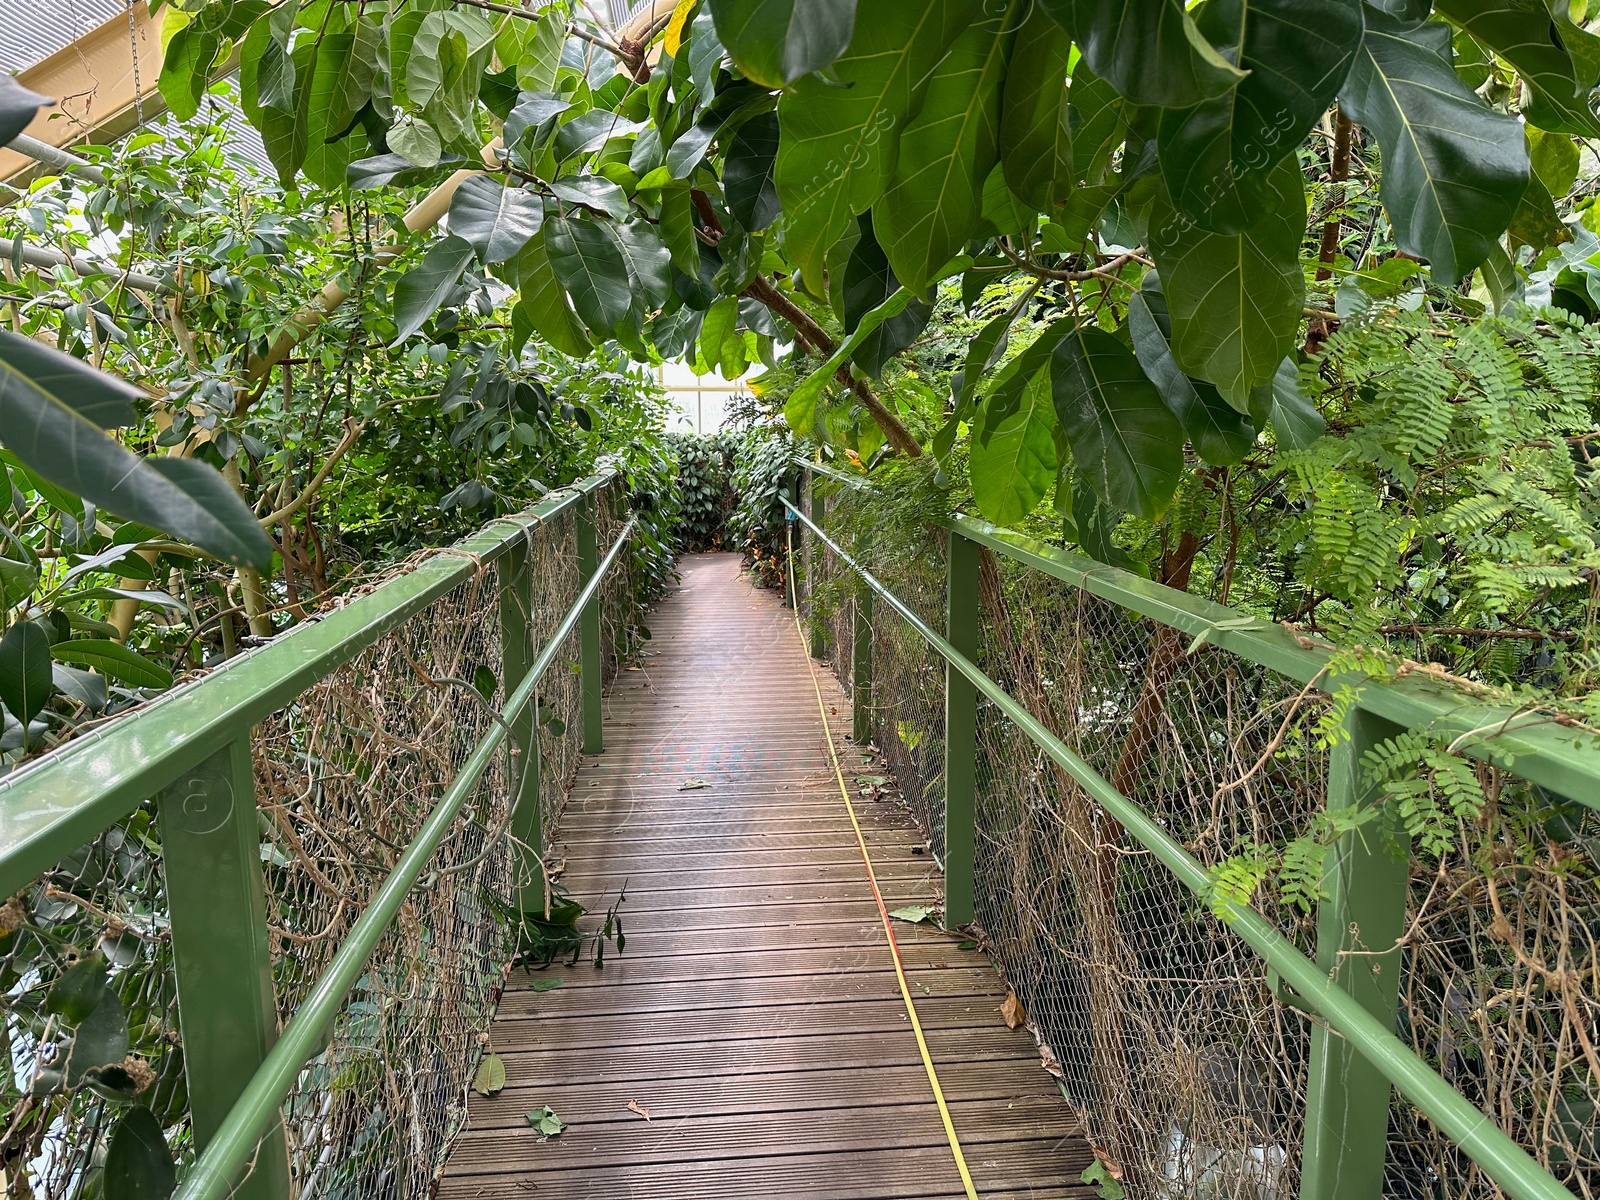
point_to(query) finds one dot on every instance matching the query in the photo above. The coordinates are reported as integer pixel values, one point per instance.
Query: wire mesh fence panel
(1183, 1064)
(832, 593)
(907, 674)
(553, 566)
(100, 913)
(345, 777)
(620, 626)
(1187, 1066)
(1500, 991)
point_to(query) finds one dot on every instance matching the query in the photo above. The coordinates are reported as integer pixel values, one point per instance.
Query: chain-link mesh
(1185, 1065)
(1190, 1072)
(345, 777)
(908, 674)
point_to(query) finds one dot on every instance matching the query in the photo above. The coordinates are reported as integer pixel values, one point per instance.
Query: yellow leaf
(680, 18)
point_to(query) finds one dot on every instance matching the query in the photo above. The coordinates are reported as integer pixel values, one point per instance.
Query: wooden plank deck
(755, 1013)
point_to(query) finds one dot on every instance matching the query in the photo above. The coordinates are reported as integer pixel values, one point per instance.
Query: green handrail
(1537, 745)
(1478, 1136)
(50, 808)
(213, 1174)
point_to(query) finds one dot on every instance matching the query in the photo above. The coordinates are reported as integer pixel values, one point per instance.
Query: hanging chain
(138, 87)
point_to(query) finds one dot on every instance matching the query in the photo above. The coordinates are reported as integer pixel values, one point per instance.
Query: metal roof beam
(92, 81)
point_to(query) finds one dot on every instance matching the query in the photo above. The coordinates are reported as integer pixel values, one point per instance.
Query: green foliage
(705, 488)
(763, 470)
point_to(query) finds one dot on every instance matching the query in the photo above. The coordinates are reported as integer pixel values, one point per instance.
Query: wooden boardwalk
(755, 1014)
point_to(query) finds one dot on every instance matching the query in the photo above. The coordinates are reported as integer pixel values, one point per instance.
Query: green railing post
(527, 806)
(211, 848)
(1360, 922)
(593, 673)
(861, 668)
(791, 590)
(817, 511)
(960, 731)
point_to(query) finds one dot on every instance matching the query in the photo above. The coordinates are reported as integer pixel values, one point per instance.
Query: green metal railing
(192, 749)
(1355, 1054)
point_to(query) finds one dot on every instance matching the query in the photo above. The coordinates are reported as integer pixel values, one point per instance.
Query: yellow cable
(888, 929)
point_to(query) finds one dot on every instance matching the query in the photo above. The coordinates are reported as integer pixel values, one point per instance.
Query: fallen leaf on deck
(913, 914)
(1112, 1166)
(546, 985)
(1012, 1011)
(693, 785)
(491, 1076)
(1049, 1061)
(545, 1121)
(635, 1107)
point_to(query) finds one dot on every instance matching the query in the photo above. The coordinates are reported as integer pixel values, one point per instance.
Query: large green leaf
(1235, 298)
(424, 288)
(51, 410)
(800, 410)
(113, 660)
(1280, 403)
(868, 282)
(1035, 135)
(1524, 33)
(1149, 50)
(1453, 168)
(286, 134)
(1124, 438)
(139, 1165)
(544, 305)
(25, 680)
(1098, 120)
(343, 80)
(589, 263)
(496, 221)
(935, 196)
(649, 264)
(839, 144)
(1006, 388)
(1012, 468)
(747, 172)
(1216, 156)
(717, 330)
(1220, 434)
(775, 42)
(343, 71)
(186, 69)
(541, 53)
(17, 107)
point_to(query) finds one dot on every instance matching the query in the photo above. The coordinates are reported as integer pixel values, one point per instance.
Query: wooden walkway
(755, 1014)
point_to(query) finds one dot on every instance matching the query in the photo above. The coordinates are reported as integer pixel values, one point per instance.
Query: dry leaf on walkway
(635, 1107)
(1012, 1011)
(693, 785)
(491, 1076)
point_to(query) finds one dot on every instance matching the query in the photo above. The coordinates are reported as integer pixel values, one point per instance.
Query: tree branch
(764, 292)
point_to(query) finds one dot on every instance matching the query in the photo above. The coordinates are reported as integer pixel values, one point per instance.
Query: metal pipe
(213, 1173)
(56, 157)
(1507, 1163)
(40, 256)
